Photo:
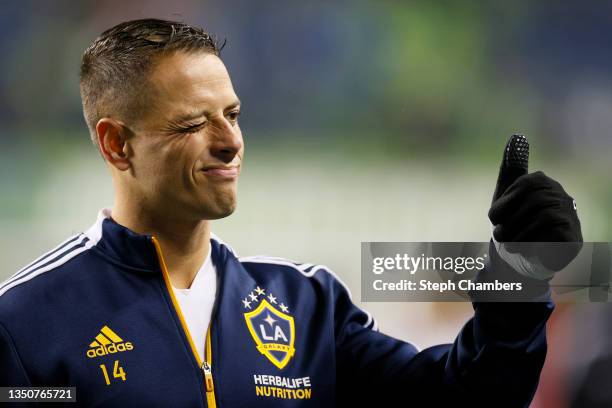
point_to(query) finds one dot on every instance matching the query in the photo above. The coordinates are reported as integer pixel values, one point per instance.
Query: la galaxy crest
(273, 330)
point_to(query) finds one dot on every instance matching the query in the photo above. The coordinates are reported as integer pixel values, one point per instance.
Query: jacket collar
(135, 250)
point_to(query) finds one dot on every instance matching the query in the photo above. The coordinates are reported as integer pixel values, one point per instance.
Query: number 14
(118, 372)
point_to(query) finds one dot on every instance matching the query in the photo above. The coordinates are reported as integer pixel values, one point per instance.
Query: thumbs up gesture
(532, 208)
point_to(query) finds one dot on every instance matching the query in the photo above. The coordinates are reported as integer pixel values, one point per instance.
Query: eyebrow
(187, 117)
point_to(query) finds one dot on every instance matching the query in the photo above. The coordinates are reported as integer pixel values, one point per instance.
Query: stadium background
(363, 121)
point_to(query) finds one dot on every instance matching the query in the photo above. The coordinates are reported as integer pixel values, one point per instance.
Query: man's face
(188, 148)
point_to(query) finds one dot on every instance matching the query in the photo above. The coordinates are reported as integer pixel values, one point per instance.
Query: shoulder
(272, 264)
(311, 274)
(288, 269)
(303, 272)
(303, 269)
(319, 279)
(31, 281)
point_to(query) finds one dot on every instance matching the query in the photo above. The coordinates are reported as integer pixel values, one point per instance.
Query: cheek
(176, 162)
(161, 161)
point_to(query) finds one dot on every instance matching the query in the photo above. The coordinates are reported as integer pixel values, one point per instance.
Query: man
(148, 308)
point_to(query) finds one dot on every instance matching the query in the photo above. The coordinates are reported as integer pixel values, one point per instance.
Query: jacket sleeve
(495, 360)
(12, 372)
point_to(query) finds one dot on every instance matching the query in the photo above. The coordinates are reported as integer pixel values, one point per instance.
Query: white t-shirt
(197, 301)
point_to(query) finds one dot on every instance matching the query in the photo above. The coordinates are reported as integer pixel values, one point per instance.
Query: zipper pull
(208, 379)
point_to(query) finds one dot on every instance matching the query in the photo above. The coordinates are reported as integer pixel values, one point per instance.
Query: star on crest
(269, 320)
(271, 298)
(252, 296)
(284, 308)
(246, 303)
(260, 291)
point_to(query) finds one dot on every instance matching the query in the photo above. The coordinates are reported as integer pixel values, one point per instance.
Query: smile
(229, 172)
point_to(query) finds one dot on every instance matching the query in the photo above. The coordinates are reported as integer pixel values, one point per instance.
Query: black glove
(533, 208)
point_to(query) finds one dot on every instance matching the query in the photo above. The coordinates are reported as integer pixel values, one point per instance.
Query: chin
(219, 210)
(223, 214)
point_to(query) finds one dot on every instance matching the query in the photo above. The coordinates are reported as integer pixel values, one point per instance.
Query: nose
(226, 141)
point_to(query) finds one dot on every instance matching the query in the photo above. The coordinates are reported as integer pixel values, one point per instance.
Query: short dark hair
(114, 67)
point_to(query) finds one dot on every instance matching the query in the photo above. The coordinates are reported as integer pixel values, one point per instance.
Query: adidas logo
(107, 342)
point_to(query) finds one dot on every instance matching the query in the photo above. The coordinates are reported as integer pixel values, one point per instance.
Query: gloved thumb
(515, 164)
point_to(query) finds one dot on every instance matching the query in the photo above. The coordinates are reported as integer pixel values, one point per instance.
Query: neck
(185, 243)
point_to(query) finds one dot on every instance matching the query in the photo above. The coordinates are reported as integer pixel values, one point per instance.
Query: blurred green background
(363, 121)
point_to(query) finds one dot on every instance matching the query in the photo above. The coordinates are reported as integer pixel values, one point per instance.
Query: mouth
(222, 172)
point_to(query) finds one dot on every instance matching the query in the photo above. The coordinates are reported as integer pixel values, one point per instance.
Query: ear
(112, 137)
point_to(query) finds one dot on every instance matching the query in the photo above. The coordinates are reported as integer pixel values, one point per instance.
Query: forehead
(191, 81)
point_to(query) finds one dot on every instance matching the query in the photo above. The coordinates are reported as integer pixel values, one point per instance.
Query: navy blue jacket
(97, 313)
